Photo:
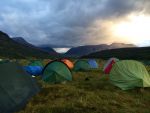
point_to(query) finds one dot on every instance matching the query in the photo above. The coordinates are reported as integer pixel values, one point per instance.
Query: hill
(12, 49)
(24, 42)
(55, 46)
(123, 53)
(85, 50)
(49, 50)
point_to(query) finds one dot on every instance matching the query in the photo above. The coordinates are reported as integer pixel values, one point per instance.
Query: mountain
(142, 53)
(120, 45)
(55, 46)
(49, 50)
(22, 41)
(13, 49)
(85, 50)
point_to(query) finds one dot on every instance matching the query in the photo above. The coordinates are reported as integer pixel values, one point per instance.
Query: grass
(89, 92)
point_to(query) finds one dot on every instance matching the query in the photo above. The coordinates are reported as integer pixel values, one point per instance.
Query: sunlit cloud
(135, 29)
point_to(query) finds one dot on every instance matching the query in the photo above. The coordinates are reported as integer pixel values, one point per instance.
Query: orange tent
(68, 63)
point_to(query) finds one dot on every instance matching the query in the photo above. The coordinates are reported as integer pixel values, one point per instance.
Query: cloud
(70, 22)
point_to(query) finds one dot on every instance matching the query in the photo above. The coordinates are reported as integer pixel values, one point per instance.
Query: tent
(68, 63)
(82, 65)
(36, 63)
(33, 70)
(108, 66)
(128, 74)
(93, 63)
(35, 67)
(56, 72)
(85, 65)
(16, 87)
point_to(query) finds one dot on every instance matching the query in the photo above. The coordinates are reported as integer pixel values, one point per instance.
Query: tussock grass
(89, 92)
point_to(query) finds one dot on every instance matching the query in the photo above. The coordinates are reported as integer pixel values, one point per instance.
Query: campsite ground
(89, 92)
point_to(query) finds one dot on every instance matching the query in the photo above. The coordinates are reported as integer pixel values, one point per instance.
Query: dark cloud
(64, 21)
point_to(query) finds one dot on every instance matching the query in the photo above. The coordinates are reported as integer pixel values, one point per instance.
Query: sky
(61, 50)
(77, 22)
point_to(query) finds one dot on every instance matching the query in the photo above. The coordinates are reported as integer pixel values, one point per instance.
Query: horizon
(76, 23)
(65, 48)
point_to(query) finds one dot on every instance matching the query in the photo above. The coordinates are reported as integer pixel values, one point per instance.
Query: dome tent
(93, 63)
(16, 87)
(36, 63)
(35, 67)
(56, 72)
(85, 65)
(68, 63)
(128, 74)
(81, 65)
(108, 65)
(33, 70)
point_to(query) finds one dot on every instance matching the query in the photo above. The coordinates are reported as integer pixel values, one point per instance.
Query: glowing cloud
(135, 29)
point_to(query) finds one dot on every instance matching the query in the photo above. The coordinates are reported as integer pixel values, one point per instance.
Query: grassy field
(89, 92)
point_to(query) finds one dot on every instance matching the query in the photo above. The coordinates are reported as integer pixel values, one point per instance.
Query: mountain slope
(49, 50)
(12, 49)
(55, 46)
(85, 50)
(123, 53)
(24, 42)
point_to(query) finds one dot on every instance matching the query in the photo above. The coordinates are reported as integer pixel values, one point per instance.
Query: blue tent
(33, 70)
(93, 63)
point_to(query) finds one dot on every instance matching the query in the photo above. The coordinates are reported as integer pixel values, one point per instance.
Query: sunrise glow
(135, 29)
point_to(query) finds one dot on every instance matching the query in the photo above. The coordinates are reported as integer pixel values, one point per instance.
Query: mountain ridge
(21, 40)
(24, 42)
(12, 49)
(85, 50)
(136, 53)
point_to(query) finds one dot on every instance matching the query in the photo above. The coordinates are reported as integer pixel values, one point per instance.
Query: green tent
(128, 74)
(36, 63)
(16, 87)
(56, 72)
(82, 65)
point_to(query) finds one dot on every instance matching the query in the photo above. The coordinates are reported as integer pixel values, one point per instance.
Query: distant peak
(117, 43)
(19, 38)
(120, 44)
